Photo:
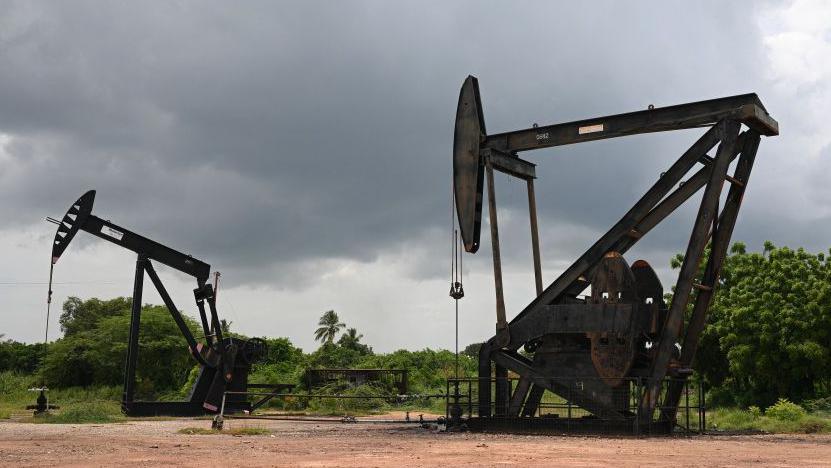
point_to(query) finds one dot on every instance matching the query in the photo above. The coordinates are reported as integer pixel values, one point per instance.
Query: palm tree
(351, 339)
(330, 325)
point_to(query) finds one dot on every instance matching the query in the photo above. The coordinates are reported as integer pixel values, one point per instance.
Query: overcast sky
(303, 148)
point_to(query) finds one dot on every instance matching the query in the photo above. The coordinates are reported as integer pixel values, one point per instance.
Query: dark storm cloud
(264, 135)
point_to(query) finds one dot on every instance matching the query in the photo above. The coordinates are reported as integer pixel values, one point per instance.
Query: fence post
(702, 408)
(687, 404)
(638, 406)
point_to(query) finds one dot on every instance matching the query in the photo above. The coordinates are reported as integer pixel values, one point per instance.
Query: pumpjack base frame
(551, 426)
(177, 408)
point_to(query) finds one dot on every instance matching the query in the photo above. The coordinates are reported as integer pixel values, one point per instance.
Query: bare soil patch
(307, 444)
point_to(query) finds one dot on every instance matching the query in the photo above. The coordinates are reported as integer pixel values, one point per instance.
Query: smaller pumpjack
(224, 361)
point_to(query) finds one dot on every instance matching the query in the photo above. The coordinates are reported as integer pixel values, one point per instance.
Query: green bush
(14, 386)
(94, 411)
(785, 410)
(351, 406)
(94, 346)
(732, 419)
(817, 405)
(767, 330)
(775, 420)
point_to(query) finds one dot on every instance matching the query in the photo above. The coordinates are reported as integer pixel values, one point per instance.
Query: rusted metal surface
(502, 334)
(613, 352)
(622, 334)
(535, 236)
(467, 165)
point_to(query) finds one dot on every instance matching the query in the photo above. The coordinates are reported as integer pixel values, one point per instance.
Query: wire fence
(546, 405)
(574, 405)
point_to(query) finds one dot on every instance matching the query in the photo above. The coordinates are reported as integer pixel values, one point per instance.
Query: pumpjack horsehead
(621, 340)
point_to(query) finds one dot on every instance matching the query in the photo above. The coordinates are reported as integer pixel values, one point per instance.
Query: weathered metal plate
(74, 218)
(613, 353)
(650, 293)
(468, 171)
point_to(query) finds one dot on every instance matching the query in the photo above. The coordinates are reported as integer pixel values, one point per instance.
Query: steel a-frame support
(719, 243)
(659, 201)
(728, 132)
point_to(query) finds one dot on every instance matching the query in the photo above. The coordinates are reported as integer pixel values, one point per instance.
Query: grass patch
(735, 419)
(240, 431)
(96, 411)
(248, 431)
(197, 431)
(5, 414)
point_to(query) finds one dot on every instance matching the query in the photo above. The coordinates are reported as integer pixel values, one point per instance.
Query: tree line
(768, 335)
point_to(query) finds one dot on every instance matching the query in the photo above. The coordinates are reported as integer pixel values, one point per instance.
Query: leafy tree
(352, 340)
(95, 354)
(768, 333)
(429, 369)
(79, 315)
(332, 355)
(20, 357)
(472, 350)
(330, 325)
(283, 363)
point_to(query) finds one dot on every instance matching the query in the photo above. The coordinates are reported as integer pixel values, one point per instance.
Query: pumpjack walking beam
(548, 322)
(224, 362)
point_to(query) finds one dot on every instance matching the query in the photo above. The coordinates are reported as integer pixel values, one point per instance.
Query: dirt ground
(306, 444)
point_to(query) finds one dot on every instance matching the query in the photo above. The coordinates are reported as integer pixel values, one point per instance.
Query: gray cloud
(272, 136)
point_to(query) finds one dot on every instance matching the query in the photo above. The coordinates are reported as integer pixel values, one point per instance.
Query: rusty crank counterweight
(593, 350)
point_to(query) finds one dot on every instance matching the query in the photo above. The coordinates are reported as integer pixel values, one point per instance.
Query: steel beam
(132, 344)
(510, 164)
(718, 252)
(147, 247)
(174, 312)
(728, 131)
(746, 108)
(502, 390)
(532, 403)
(579, 318)
(535, 236)
(518, 398)
(502, 335)
(484, 372)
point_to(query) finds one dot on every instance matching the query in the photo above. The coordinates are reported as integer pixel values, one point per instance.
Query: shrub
(785, 410)
(95, 411)
(819, 404)
(732, 419)
(240, 431)
(349, 405)
(814, 425)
